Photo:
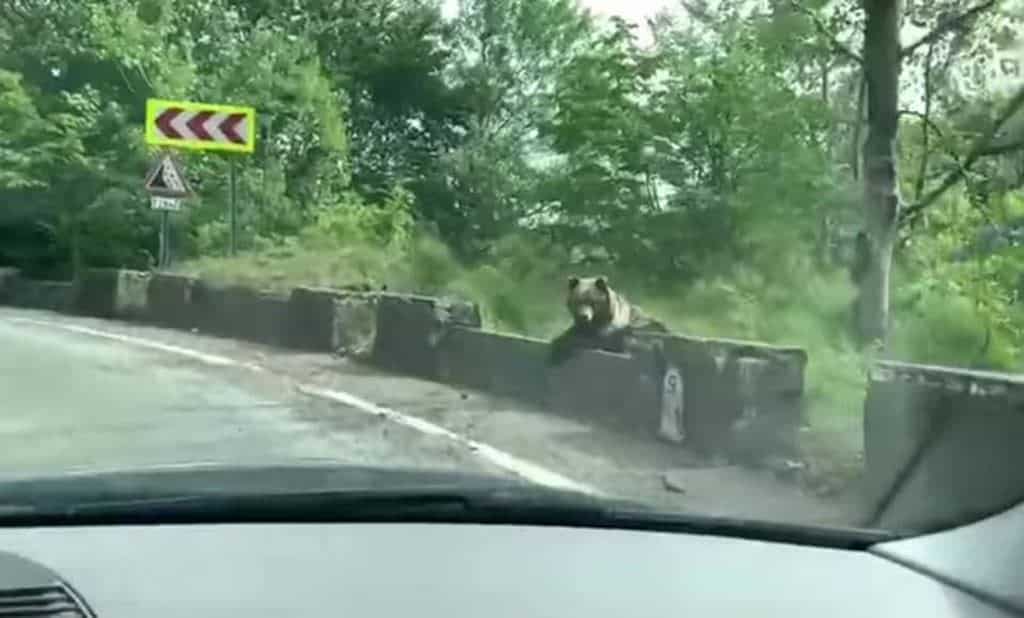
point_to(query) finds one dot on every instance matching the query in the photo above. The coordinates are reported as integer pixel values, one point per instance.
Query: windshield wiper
(323, 506)
(513, 506)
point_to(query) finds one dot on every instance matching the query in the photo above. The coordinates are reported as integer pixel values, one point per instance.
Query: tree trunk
(881, 175)
(825, 85)
(858, 122)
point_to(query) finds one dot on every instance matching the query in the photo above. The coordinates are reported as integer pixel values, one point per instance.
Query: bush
(956, 301)
(351, 221)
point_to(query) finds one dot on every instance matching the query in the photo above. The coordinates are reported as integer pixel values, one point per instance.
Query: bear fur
(602, 319)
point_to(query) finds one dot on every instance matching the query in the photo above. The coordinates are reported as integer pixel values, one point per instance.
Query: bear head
(590, 301)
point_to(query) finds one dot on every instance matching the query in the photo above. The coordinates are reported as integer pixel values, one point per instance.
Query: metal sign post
(163, 260)
(233, 212)
(166, 205)
(167, 187)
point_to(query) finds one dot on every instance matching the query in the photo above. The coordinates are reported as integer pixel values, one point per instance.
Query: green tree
(508, 54)
(948, 34)
(600, 191)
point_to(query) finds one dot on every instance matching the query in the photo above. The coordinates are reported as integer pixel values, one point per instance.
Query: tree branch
(980, 148)
(950, 152)
(823, 29)
(946, 25)
(923, 118)
(994, 150)
(697, 12)
(925, 153)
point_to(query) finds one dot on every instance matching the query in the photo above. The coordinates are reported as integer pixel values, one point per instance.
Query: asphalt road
(73, 400)
(79, 392)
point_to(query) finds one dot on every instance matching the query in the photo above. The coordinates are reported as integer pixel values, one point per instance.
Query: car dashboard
(391, 570)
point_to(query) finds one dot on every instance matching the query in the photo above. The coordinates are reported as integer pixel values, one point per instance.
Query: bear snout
(585, 314)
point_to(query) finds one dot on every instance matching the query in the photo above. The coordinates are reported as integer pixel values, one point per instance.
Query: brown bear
(602, 319)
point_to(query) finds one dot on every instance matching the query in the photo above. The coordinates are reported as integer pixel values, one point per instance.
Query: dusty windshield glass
(748, 258)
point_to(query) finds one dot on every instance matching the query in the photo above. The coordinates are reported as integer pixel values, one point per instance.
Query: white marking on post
(672, 426)
(520, 467)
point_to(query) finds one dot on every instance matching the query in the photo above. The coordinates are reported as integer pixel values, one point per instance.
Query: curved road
(73, 400)
(80, 392)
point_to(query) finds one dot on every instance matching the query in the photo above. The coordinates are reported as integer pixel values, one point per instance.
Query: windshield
(733, 258)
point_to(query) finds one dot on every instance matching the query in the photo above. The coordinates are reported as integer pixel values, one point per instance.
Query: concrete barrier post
(241, 312)
(354, 325)
(504, 365)
(770, 383)
(311, 319)
(48, 295)
(8, 283)
(740, 399)
(616, 390)
(334, 321)
(942, 445)
(169, 301)
(130, 294)
(95, 292)
(410, 330)
(708, 408)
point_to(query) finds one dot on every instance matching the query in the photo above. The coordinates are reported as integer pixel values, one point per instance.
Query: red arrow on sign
(196, 124)
(163, 122)
(230, 128)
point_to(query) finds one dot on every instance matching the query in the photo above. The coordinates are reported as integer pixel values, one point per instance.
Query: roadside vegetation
(709, 163)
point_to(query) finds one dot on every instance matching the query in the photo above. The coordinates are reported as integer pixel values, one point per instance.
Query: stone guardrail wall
(734, 398)
(740, 399)
(942, 446)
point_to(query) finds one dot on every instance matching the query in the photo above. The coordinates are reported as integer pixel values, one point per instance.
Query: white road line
(209, 359)
(520, 467)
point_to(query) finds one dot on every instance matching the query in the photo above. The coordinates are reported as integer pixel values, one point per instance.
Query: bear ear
(602, 283)
(573, 282)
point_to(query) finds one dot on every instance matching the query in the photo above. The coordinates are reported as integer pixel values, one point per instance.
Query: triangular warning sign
(166, 179)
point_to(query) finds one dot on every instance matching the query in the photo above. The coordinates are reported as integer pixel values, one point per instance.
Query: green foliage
(601, 192)
(510, 55)
(960, 303)
(29, 146)
(350, 219)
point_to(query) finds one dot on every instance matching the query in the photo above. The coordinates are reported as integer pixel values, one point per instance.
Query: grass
(426, 267)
